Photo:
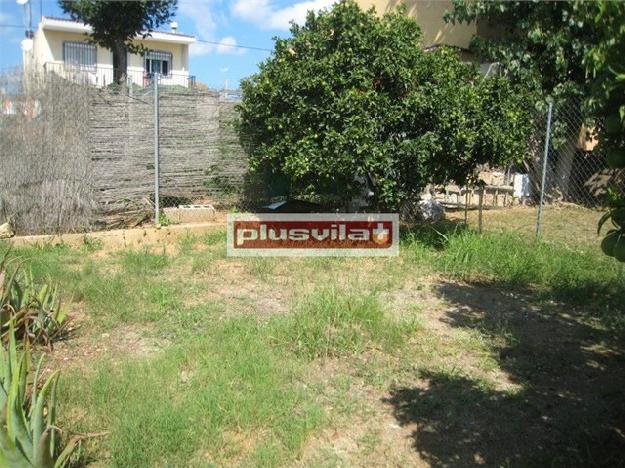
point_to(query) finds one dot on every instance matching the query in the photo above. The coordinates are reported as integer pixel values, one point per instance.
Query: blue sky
(243, 22)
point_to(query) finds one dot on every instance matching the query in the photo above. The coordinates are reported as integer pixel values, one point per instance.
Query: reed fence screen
(76, 157)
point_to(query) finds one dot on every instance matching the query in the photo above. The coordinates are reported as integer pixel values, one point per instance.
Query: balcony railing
(101, 75)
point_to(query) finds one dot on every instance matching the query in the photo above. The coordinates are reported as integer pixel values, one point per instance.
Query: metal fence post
(157, 214)
(481, 209)
(466, 205)
(544, 173)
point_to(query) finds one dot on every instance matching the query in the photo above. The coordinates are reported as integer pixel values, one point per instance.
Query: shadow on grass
(563, 403)
(553, 271)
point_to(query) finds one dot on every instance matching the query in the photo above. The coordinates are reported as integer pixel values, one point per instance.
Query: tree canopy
(604, 63)
(564, 49)
(116, 24)
(350, 96)
(542, 44)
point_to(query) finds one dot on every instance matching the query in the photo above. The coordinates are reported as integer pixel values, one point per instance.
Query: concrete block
(185, 214)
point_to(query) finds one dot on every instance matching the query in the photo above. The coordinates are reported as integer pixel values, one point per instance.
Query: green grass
(261, 267)
(578, 276)
(230, 388)
(237, 375)
(176, 408)
(330, 322)
(144, 261)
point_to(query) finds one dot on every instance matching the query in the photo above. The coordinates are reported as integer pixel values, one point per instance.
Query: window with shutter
(157, 61)
(80, 55)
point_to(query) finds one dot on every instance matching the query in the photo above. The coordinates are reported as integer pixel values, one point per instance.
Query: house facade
(62, 46)
(429, 15)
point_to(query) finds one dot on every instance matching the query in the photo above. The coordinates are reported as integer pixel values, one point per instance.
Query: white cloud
(202, 14)
(224, 70)
(226, 46)
(267, 16)
(200, 48)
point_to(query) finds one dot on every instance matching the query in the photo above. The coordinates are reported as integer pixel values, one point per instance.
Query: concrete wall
(429, 15)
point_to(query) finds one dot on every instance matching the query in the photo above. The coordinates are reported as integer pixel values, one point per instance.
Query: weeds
(329, 322)
(144, 261)
(178, 407)
(234, 388)
(261, 267)
(576, 276)
(34, 311)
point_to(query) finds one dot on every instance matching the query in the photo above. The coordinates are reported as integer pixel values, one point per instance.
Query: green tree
(542, 44)
(564, 49)
(351, 96)
(116, 24)
(604, 64)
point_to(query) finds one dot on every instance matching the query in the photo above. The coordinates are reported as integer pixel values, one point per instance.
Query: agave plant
(28, 434)
(35, 311)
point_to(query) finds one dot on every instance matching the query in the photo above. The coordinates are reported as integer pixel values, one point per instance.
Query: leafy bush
(352, 96)
(35, 311)
(28, 432)
(604, 62)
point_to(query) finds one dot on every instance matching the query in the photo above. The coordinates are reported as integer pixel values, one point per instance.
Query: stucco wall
(177, 52)
(429, 15)
(48, 47)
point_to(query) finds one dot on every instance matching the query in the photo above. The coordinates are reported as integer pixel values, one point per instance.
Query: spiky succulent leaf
(38, 423)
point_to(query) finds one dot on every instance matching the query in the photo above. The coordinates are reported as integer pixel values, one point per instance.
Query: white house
(62, 46)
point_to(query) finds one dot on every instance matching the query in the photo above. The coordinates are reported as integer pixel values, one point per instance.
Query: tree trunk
(120, 63)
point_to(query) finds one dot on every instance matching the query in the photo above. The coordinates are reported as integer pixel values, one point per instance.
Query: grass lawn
(466, 349)
(572, 225)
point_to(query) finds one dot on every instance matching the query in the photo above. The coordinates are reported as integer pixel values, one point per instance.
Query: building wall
(429, 15)
(177, 52)
(48, 51)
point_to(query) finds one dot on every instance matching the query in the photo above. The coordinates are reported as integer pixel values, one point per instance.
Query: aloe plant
(28, 434)
(35, 311)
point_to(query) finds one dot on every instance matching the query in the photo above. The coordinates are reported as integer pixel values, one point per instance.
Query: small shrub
(351, 96)
(36, 312)
(163, 220)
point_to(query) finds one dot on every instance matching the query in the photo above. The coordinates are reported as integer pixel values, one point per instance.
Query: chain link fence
(558, 192)
(77, 156)
(574, 177)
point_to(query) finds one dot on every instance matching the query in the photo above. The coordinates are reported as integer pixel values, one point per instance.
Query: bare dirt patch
(569, 406)
(86, 345)
(553, 393)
